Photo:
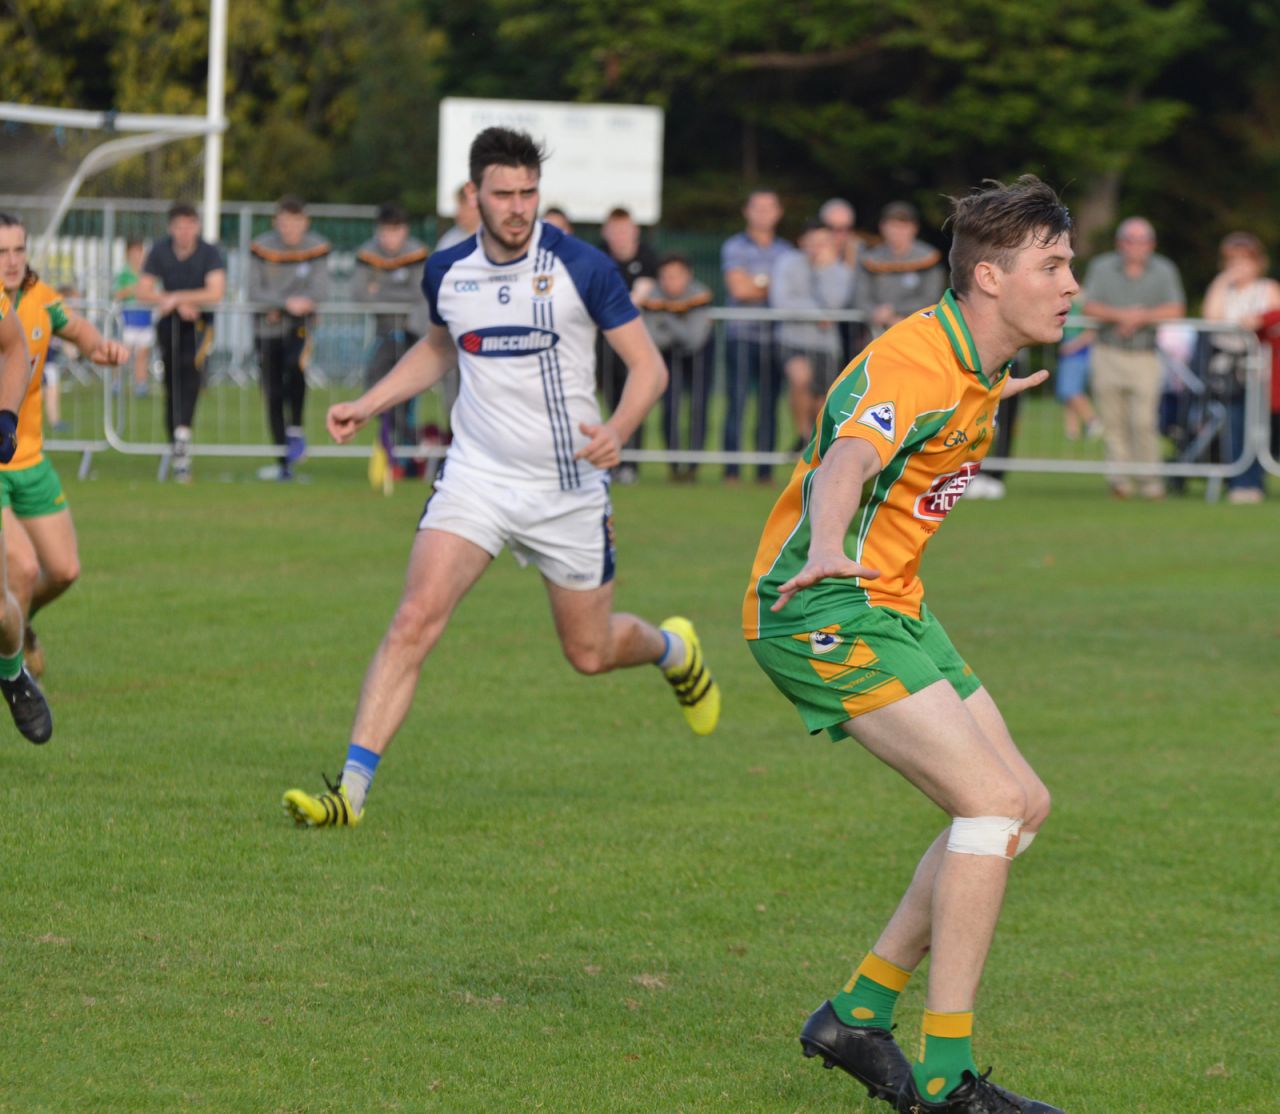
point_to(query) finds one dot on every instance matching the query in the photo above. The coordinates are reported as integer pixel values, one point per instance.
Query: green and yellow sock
(946, 1052)
(870, 995)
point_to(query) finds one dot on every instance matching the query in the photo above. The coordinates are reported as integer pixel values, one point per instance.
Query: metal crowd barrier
(101, 408)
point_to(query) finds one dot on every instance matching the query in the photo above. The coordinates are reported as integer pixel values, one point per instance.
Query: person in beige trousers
(1129, 291)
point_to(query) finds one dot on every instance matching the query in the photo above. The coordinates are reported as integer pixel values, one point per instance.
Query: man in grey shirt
(813, 278)
(902, 273)
(389, 269)
(288, 278)
(1129, 291)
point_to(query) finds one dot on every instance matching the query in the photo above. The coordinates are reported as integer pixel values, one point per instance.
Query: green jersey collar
(953, 324)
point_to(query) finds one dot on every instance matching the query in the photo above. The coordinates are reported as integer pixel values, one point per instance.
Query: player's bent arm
(15, 364)
(837, 492)
(419, 368)
(646, 376)
(90, 343)
(834, 499)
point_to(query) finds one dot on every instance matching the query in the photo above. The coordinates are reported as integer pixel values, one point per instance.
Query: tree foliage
(1168, 106)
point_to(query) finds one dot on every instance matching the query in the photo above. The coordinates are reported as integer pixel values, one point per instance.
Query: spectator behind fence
(1242, 295)
(465, 222)
(637, 263)
(466, 219)
(813, 278)
(751, 364)
(289, 276)
(136, 331)
(1071, 380)
(1130, 290)
(184, 276)
(678, 315)
(558, 218)
(841, 218)
(1269, 334)
(902, 273)
(389, 268)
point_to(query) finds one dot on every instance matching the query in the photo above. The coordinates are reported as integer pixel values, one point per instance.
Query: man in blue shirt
(748, 260)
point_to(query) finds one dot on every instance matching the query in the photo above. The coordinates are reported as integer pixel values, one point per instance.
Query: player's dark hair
(618, 213)
(674, 257)
(391, 212)
(505, 147)
(182, 209)
(291, 203)
(10, 220)
(995, 222)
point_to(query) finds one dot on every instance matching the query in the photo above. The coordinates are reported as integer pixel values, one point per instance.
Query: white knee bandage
(1024, 841)
(985, 835)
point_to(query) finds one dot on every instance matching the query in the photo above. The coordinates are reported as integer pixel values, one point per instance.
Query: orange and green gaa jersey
(918, 395)
(41, 314)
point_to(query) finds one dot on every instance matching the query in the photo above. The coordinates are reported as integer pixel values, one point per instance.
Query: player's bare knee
(63, 574)
(1003, 798)
(587, 660)
(416, 627)
(24, 573)
(1038, 805)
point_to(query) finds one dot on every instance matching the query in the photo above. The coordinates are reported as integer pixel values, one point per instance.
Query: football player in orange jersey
(835, 615)
(41, 557)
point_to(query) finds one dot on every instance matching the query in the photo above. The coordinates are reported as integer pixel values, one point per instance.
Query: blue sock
(673, 655)
(357, 774)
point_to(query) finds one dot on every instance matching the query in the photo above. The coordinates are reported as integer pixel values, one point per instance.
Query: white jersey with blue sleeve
(525, 333)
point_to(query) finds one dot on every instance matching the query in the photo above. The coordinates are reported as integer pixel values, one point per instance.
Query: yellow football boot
(326, 810)
(695, 688)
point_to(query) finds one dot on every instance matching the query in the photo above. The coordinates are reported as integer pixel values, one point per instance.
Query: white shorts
(566, 535)
(135, 337)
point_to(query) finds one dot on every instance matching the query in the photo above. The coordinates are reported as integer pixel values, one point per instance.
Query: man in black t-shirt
(638, 265)
(183, 276)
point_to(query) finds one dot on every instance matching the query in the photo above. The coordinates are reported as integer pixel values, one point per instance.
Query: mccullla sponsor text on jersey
(508, 340)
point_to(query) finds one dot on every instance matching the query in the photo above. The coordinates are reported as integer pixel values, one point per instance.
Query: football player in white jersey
(517, 305)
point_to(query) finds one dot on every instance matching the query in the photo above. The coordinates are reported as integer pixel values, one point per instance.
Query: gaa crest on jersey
(823, 641)
(542, 285)
(881, 418)
(37, 333)
(507, 340)
(945, 492)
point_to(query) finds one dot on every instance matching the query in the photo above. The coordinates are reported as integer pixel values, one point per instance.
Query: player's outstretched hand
(821, 568)
(604, 450)
(1014, 386)
(344, 420)
(111, 353)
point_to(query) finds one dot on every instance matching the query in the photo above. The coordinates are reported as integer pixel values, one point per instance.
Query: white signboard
(599, 156)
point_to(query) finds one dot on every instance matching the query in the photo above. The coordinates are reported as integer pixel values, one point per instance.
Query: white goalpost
(145, 132)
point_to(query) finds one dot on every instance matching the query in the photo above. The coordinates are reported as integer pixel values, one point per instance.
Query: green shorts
(33, 492)
(847, 669)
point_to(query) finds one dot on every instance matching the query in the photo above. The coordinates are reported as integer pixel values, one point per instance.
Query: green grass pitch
(563, 901)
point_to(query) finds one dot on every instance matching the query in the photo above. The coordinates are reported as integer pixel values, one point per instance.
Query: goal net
(60, 167)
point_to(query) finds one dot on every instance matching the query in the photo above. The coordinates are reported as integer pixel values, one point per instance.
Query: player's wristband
(8, 435)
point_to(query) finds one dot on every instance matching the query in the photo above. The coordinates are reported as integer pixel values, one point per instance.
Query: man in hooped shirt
(528, 465)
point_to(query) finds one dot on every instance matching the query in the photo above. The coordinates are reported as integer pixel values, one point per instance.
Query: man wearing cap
(901, 274)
